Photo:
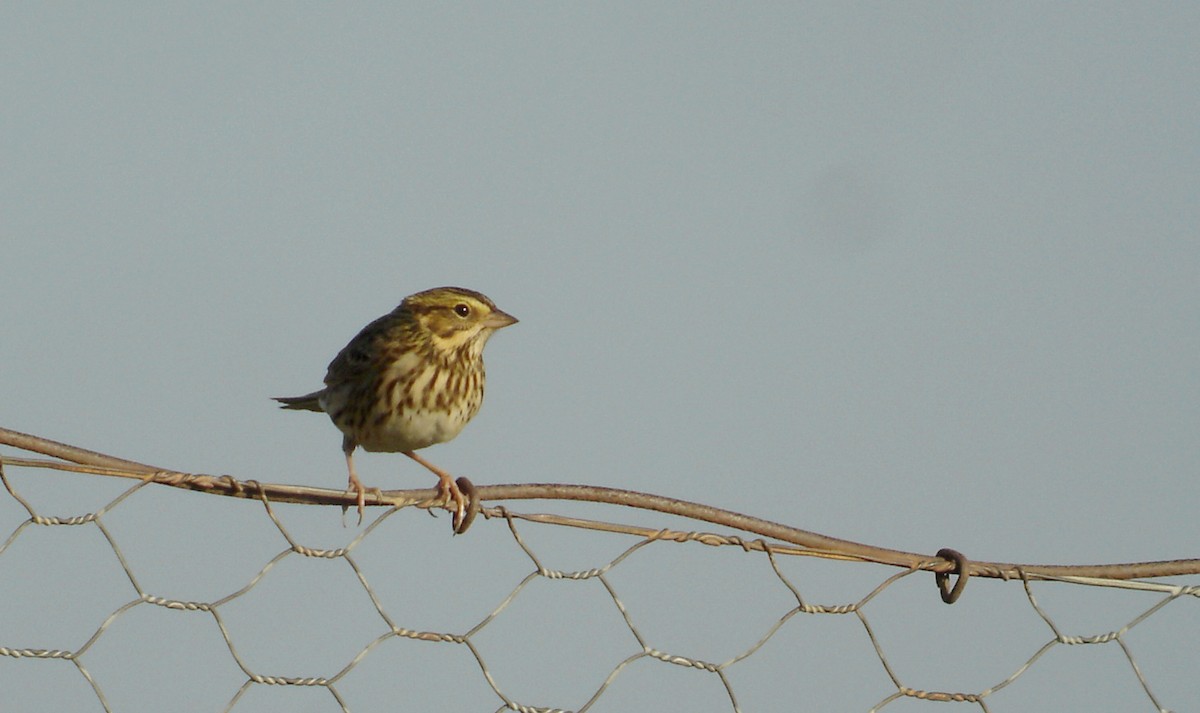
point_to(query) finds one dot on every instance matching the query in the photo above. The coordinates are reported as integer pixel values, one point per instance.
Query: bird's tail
(307, 402)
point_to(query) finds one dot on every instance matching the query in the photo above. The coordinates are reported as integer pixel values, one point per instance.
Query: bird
(410, 379)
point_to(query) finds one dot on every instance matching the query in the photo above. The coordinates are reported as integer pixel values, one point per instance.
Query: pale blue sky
(919, 275)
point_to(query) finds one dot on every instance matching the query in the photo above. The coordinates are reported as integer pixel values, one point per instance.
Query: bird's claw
(461, 523)
(449, 492)
(356, 486)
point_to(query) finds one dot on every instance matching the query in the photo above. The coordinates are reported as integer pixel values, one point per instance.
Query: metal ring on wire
(960, 561)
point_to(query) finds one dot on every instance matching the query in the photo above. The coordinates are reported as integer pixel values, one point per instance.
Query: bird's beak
(498, 319)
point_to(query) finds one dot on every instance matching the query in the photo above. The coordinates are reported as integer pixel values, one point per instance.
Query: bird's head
(457, 318)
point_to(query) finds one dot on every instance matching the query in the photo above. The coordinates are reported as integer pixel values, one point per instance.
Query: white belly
(412, 431)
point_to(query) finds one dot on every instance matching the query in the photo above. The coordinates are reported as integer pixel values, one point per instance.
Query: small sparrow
(410, 379)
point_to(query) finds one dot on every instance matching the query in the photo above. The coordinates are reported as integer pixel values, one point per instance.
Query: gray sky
(918, 275)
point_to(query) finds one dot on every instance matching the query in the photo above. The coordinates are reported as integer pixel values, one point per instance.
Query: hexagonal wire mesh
(504, 636)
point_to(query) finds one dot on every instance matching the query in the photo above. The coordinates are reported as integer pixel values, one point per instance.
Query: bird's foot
(448, 492)
(355, 486)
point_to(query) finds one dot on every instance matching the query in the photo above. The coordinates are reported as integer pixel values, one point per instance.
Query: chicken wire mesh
(146, 597)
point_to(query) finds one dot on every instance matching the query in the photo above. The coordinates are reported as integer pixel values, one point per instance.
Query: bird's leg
(354, 484)
(447, 488)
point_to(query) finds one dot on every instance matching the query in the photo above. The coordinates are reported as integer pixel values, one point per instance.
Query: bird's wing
(363, 352)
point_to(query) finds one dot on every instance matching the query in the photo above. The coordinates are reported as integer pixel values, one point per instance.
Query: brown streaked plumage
(410, 379)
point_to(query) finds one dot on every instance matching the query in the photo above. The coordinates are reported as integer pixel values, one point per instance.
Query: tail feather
(308, 402)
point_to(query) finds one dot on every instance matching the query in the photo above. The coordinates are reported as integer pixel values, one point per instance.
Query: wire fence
(507, 640)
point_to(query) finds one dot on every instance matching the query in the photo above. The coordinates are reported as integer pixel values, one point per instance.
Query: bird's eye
(462, 310)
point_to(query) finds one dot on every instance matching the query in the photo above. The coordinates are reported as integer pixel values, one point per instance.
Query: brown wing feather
(361, 356)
